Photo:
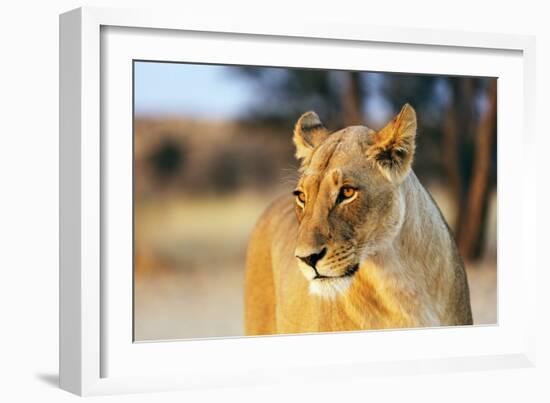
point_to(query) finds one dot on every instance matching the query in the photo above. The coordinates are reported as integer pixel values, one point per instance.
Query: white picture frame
(97, 353)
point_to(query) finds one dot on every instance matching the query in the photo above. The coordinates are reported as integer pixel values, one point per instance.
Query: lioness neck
(401, 285)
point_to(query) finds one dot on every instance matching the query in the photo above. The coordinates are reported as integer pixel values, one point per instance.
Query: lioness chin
(359, 245)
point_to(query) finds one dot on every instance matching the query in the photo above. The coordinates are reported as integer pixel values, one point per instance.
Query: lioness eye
(300, 197)
(346, 192)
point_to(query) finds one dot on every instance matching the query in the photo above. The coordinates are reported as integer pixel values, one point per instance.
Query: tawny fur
(410, 273)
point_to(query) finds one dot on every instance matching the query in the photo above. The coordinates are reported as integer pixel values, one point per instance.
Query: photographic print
(274, 200)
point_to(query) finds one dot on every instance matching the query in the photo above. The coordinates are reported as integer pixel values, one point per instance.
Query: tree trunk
(457, 145)
(471, 236)
(352, 101)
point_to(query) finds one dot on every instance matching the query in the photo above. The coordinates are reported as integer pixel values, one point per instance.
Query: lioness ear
(309, 132)
(393, 146)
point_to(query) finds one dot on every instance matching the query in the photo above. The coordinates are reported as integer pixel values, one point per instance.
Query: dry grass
(190, 266)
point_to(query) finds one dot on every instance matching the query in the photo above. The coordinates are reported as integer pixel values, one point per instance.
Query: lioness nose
(312, 259)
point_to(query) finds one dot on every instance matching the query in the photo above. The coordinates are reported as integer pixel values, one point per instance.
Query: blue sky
(214, 92)
(186, 90)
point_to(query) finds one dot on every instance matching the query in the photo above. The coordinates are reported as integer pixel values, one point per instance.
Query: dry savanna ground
(190, 265)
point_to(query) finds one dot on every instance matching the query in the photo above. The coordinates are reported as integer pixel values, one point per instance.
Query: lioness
(360, 245)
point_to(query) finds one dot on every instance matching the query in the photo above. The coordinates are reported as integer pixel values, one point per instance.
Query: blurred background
(213, 147)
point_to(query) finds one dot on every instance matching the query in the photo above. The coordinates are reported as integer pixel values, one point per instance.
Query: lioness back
(260, 308)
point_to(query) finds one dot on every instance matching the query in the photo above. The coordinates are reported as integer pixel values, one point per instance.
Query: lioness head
(348, 200)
